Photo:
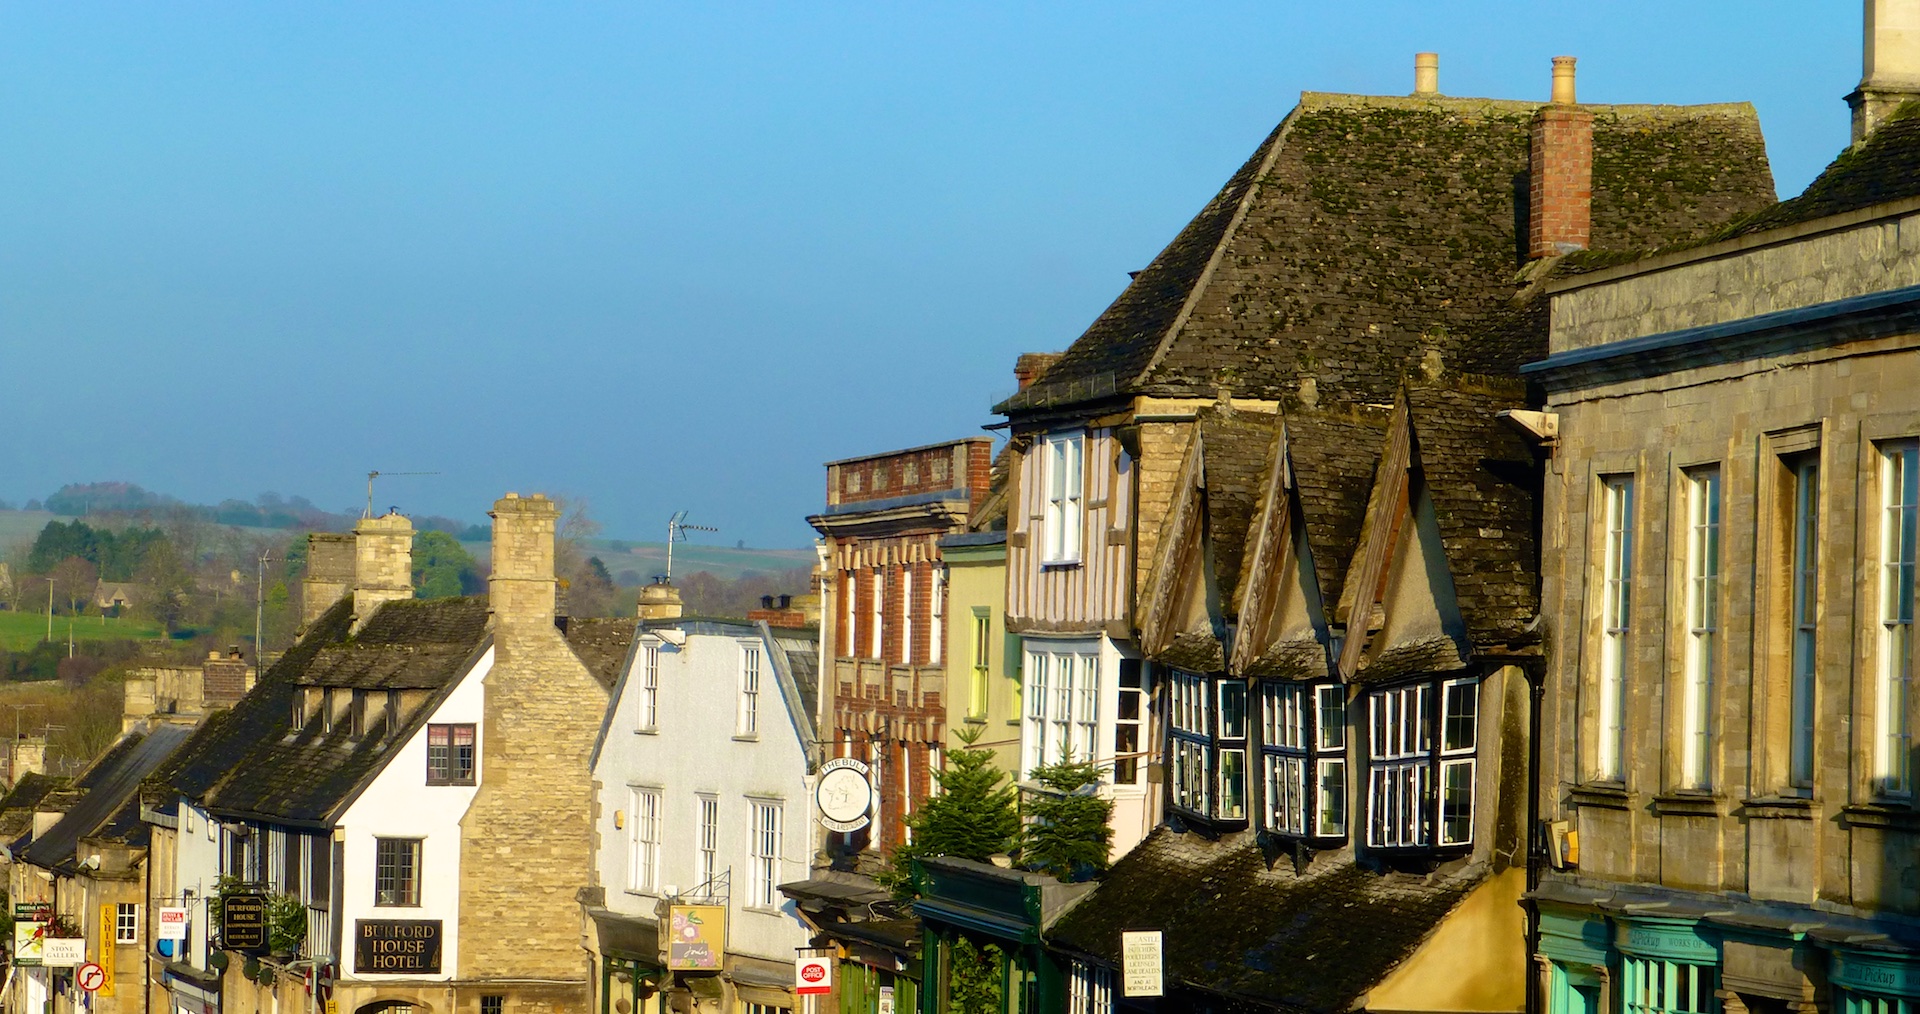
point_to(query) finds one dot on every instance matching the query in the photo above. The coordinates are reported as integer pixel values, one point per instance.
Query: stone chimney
(28, 757)
(1426, 73)
(1031, 365)
(1889, 63)
(1560, 185)
(522, 588)
(660, 601)
(329, 574)
(382, 566)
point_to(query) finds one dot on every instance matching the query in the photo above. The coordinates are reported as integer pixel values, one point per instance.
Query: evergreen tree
(974, 986)
(1067, 834)
(973, 816)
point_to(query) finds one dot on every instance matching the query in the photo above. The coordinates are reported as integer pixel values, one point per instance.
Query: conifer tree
(973, 816)
(1067, 834)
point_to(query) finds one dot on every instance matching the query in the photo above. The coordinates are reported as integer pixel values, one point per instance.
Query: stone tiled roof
(1334, 457)
(601, 643)
(1885, 168)
(1485, 484)
(1367, 234)
(1237, 451)
(1244, 927)
(254, 764)
(16, 809)
(106, 803)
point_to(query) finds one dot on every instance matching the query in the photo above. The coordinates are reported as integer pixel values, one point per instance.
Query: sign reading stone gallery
(396, 946)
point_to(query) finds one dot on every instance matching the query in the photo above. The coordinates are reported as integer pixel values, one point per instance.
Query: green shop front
(1672, 957)
(981, 946)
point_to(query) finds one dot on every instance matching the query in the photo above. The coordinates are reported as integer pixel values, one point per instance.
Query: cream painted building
(1729, 554)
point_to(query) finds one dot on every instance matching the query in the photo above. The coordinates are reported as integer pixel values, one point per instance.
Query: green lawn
(19, 631)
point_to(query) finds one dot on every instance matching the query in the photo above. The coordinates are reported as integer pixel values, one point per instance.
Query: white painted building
(704, 773)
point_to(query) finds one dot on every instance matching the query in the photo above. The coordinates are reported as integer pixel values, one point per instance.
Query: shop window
(1090, 989)
(1653, 986)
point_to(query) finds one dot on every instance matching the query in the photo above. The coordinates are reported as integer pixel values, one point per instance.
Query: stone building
(1270, 550)
(412, 776)
(1729, 547)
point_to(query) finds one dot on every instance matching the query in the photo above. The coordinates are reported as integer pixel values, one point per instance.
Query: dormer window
(369, 713)
(1304, 758)
(1422, 764)
(1209, 746)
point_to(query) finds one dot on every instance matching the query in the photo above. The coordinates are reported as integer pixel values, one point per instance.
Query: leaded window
(1304, 758)
(1422, 764)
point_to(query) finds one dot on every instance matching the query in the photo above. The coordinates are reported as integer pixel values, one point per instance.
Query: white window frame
(1064, 513)
(1893, 734)
(768, 819)
(1303, 747)
(1207, 755)
(126, 923)
(648, 718)
(1130, 734)
(1423, 764)
(877, 616)
(1616, 614)
(906, 614)
(1805, 618)
(643, 838)
(1062, 701)
(1090, 989)
(707, 845)
(1703, 549)
(747, 721)
(937, 617)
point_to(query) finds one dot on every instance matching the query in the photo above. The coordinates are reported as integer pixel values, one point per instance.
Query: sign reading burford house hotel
(396, 946)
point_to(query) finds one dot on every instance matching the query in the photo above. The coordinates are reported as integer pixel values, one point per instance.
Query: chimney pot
(766, 602)
(786, 601)
(1563, 81)
(1426, 73)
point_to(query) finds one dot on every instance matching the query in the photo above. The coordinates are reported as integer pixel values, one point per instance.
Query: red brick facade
(1560, 211)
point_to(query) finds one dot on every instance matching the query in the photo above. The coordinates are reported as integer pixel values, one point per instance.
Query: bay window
(1422, 764)
(1304, 758)
(1062, 704)
(1208, 746)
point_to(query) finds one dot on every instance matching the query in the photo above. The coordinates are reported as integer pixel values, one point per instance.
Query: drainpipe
(1536, 850)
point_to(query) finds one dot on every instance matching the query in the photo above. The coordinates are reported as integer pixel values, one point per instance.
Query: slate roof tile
(1885, 168)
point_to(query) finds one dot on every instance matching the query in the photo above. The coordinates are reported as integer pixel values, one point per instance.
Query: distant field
(643, 558)
(20, 631)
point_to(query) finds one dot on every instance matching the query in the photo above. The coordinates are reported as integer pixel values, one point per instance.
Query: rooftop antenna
(375, 474)
(677, 530)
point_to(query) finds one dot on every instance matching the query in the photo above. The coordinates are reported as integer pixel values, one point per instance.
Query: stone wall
(383, 564)
(1789, 271)
(527, 840)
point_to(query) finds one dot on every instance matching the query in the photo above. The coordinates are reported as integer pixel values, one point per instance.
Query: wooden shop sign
(396, 946)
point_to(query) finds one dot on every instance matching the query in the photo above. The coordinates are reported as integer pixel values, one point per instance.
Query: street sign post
(90, 977)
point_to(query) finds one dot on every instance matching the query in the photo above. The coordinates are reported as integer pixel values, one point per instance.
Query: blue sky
(673, 256)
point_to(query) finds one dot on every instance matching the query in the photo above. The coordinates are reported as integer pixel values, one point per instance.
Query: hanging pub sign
(30, 921)
(843, 795)
(697, 937)
(396, 946)
(243, 921)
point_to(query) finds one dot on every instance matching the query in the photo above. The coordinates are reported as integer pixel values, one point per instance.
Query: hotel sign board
(1140, 963)
(243, 921)
(396, 946)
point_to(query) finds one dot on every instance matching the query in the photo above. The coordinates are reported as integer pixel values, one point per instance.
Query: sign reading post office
(396, 946)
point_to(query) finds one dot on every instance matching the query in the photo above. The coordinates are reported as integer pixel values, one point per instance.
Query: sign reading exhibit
(1140, 956)
(396, 946)
(844, 795)
(697, 937)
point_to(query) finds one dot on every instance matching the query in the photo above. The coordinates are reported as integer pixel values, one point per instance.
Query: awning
(630, 937)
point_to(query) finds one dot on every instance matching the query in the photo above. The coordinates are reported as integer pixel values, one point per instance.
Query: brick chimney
(1031, 365)
(1560, 198)
(329, 574)
(224, 678)
(1426, 73)
(522, 589)
(779, 611)
(1889, 63)
(382, 565)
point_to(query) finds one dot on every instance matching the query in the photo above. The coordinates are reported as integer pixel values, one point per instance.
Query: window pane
(1456, 802)
(1331, 722)
(1233, 785)
(1463, 716)
(1332, 793)
(1233, 709)
(1806, 556)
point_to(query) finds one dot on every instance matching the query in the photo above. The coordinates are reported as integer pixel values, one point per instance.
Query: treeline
(268, 510)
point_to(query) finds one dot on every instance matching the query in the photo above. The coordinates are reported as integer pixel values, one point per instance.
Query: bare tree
(74, 580)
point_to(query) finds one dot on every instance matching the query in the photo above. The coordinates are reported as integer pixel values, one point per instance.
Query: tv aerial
(375, 474)
(677, 529)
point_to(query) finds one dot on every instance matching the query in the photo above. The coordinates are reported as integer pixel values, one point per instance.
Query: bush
(1067, 834)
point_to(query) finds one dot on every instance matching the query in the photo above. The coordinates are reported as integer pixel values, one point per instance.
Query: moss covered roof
(1367, 234)
(1885, 168)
